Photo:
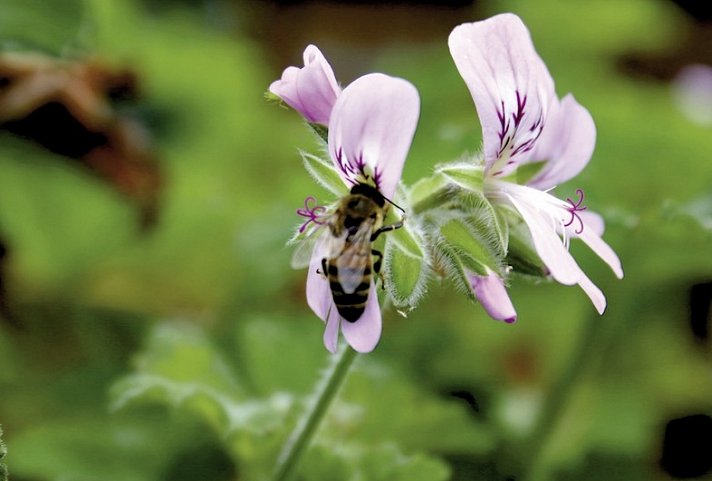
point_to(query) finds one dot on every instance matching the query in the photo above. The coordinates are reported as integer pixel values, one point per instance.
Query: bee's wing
(321, 243)
(350, 263)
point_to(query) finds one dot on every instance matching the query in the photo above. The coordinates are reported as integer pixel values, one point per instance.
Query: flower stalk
(324, 394)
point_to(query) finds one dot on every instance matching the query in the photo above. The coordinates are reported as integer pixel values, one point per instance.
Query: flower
(371, 128)
(490, 291)
(311, 90)
(523, 121)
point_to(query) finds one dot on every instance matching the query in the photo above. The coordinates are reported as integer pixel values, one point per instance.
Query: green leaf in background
(354, 462)
(50, 26)
(179, 368)
(84, 448)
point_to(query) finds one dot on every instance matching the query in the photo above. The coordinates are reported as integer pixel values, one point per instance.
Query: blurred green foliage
(187, 351)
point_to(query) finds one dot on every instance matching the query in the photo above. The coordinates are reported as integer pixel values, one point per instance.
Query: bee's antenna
(394, 204)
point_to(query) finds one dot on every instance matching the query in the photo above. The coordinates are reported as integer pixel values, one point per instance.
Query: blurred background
(150, 325)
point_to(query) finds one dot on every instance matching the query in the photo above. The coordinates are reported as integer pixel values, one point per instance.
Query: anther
(312, 213)
(573, 209)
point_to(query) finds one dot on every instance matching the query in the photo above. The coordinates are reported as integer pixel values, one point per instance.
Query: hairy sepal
(489, 221)
(324, 174)
(466, 175)
(454, 268)
(406, 265)
(477, 249)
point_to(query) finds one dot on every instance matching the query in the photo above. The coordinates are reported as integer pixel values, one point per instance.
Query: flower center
(573, 208)
(311, 212)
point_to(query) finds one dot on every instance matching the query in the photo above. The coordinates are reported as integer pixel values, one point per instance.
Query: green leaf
(387, 463)
(369, 462)
(406, 265)
(85, 448)
(51, 26)
(324, 174)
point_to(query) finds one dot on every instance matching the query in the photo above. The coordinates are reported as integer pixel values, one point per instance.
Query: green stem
(324, 395)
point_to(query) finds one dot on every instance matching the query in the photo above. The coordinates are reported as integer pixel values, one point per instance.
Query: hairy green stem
(324, 395)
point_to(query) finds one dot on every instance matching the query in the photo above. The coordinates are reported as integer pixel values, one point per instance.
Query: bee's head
(369, 191)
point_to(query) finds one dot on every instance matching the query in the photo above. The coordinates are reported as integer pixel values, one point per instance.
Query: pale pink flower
(524, 121)
(311, 90)
(371, 128)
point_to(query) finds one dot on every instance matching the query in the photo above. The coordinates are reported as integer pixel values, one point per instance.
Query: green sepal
(522, 255)
(466, 175)
(324, 173)
(454, 268)
(321, 131)
(471, 245)
(490, 222)
(429, 193)
(406, 265)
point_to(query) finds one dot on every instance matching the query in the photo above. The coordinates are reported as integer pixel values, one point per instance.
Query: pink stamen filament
(573, 209)
(311, 213)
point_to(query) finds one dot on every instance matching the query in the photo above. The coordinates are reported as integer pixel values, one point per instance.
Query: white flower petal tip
(371, 129)
(510, 85)
(594, 293)
(492, 294)
(363, 334)
(311, 90)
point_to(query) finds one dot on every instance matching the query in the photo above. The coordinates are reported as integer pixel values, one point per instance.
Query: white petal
(331, 332)
(593, 292)
(318, 290)
(566, 144)
(509, 83)
(364, 334)
(371, 129)
(593, 221)
(548, 244)
(602, 250)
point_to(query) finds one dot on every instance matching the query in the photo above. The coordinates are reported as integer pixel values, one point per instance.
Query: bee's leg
(379, 262)
(386, 228)
(377, 266)
(324, 270)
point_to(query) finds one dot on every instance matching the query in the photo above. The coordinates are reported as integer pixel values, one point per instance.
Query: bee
(348, 262)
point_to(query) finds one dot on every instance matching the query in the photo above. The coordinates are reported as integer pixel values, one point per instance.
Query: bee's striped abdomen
(350, 305)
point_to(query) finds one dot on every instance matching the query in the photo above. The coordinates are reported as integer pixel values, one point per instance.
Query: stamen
(574, 208)
(312, 213)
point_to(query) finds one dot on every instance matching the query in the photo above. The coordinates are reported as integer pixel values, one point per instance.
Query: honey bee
(348, 262)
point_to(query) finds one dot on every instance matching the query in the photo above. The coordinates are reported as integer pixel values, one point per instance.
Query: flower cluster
(471, 221)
